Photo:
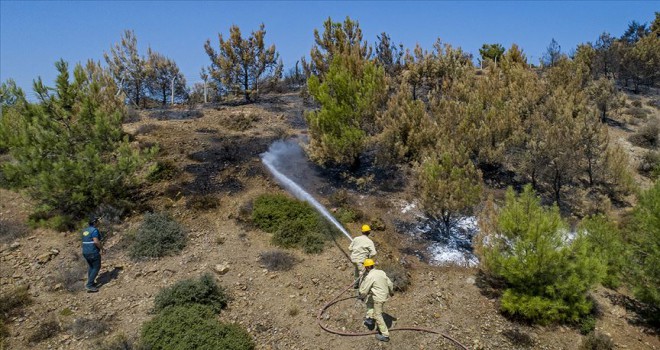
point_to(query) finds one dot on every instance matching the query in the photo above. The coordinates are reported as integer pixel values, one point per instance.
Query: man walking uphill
(361, 248)
(92, 250)
(377, 288)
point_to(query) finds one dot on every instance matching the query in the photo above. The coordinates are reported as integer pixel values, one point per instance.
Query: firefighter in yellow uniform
(361, 248)
(377, 288)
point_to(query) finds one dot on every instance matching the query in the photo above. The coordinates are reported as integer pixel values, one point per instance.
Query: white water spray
(272, 157)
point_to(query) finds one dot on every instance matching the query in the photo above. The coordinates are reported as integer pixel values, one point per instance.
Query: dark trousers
(93, 267)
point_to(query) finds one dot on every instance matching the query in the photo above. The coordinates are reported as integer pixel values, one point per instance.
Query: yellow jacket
(378, 284)
(361, 248)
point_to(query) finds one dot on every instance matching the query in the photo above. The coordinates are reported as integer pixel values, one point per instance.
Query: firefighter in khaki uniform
(377, 288)
(361, 248)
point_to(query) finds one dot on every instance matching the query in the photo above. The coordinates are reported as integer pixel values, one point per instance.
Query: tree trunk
(246, 85)
(557, 185)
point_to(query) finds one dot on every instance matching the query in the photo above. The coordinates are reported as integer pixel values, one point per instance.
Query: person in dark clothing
(92, 250)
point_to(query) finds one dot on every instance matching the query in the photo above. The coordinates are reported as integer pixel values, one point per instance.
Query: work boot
(92, 290)
(382, 337)
(370, 323)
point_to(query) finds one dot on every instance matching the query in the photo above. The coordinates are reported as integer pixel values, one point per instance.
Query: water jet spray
(271, 157)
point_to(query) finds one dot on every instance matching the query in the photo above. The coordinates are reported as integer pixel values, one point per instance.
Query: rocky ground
(219, 156)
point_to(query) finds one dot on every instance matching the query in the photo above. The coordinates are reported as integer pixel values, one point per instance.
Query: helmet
(368, 262)
(93, 220)
(366, 228)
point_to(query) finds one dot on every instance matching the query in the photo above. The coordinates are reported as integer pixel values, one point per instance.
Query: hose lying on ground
(357, 334)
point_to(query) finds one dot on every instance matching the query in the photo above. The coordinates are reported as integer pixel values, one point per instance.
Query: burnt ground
(217, 156)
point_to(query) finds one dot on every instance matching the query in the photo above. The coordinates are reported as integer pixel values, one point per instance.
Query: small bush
(242, 121)
(596, 341)
(650, 163)
(146, 129)
(203, 202)
(293, 311)
(637, 112)
(45, 330)
(277, 260)
(193, 327)
(397, 275)
(11, 230)
(339, 198)
(163, 170)
(13, 300)
(203, 291)
(587, 325)
(157, 236)
(88, 327)
(636, 103)
(72, 275)
(293, 223)
(647, 136)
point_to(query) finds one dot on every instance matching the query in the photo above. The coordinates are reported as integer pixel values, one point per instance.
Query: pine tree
(128, 67)
(388, 55)
(349, 95)
(606, 241)
(162, 74)
(547, 272)
(338, 38)
(241, 63)
(69, 150)
(406, 130)
(448, 184)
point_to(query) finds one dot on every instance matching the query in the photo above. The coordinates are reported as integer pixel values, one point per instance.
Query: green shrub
(157, 236)
(202, 291)
(277, 260)
(119, 342)
(650, 164)
(547, 272)
(597, 341)
(294, 223)
(193, 327)
(163, 170)
(88, 327)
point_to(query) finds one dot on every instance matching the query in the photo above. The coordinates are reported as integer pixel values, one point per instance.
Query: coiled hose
(358, 334)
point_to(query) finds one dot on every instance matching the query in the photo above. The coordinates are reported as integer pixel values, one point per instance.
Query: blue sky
(34, 34)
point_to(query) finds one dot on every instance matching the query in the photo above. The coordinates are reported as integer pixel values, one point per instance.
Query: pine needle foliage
(68, 148)
(547, 270)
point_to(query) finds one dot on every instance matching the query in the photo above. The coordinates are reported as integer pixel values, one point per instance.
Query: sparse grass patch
(71, 274)
(119, 342)
(193, 327)
(14, 299)
(294, 223)
(397, 274)
(203, 202)
(203, 291)
(518, 338)
(163, 170)
(293, 311)
(11, 230)
(596, 341)
(66, 312)
(44, 330)
(158, 235)
(88, 327)
(277, 260)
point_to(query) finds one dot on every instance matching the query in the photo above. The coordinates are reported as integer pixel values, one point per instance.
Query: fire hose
(358, 334)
